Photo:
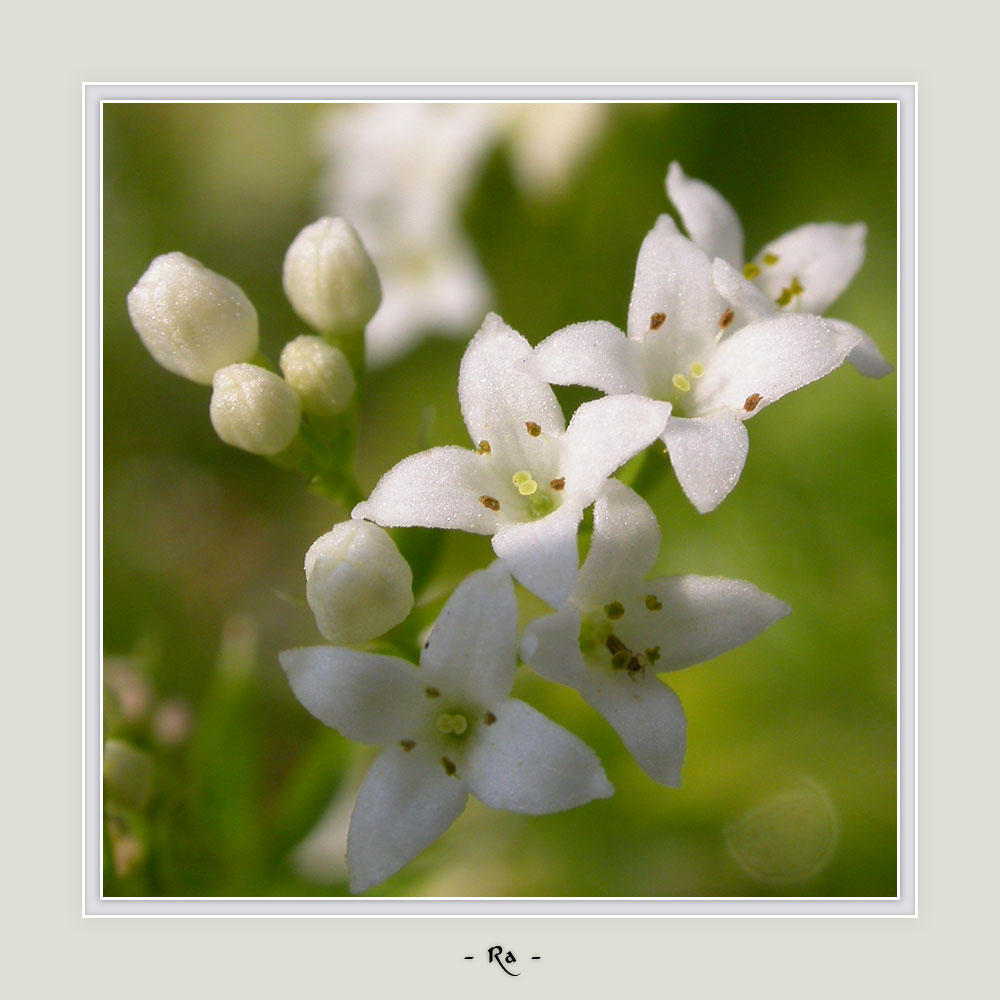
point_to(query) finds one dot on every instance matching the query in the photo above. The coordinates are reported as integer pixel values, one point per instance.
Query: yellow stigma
(697, 370)
(680, 382)
(750, 271)
(771, 259)
(524, 482)
(456, 724)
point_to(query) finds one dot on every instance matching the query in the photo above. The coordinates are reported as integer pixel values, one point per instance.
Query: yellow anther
(789, 293)
(697, 370)
(750, 271)
(680, 382)
(520, 477)
(771, 259)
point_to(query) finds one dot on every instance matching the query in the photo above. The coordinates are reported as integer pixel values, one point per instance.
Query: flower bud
(357, 583)
(329, 278)
(254, 409)
(319, 373)
(128, 774)
(192, 320)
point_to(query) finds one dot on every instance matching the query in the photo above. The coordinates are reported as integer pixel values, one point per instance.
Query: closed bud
(329, 278)
(254, 409)
(357, 583)
(319, 373)
(128, 774)
(192, 320)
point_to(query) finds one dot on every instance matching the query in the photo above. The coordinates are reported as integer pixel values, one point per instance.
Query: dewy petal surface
(551, 646)
(541, 555)
(624, 547)
(648, 717)
(773, 357)
(711, 221)
(824, 256)
(708, 455)
(438, 488)
(472, 648)
(595, 354)
(526, 763)
(368, 698)
(499, 393)
(406, 802)
(702, 617)
(749, 302)
(865, 357)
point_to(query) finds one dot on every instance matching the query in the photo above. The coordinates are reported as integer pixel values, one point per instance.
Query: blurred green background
(790, 777)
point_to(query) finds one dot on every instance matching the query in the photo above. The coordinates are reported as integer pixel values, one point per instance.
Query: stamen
(653, 603)
(407, 745)
(449, 766)
(491, 502)
(771, 259)
(483, 448)
(653, 655)
(614, 610)
(532, 428)
(697, 370)
(657, 320)
(680, 382)
(750, 271)
(558, 484)
(789, 293)
(432, 692)
(727, 317)
(489, 718)
(751, 402)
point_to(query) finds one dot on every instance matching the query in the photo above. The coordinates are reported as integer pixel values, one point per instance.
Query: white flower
(530, 477)
(718, 364)
(320, 373)
(803, 271)
(329, 278)
(618, 630)
(357, 583)
(449, 729)
(192, 320)
(254, 409)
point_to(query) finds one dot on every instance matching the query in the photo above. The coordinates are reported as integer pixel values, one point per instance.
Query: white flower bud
(329, 278)
(254, 409)
(357, 583)
(319, 373)
(192, 320)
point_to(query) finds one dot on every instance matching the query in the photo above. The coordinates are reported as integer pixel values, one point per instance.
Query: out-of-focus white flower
(254, 409)
(403, 172)
(357, 583)
(320, 373)
(618, 630)
(530, 476)
(192, 320)
(329, 278)
(449, 727)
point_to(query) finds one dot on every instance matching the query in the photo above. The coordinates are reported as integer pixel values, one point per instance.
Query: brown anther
(407, 745)
(653, 603)
(532, 428)
(751, 402)
(653, 654)
(614, 610)
(657, 320)
(432, 692)
(634, 667)
(615, 645)
(483, 448)
(489, 718)
(491, 502)
(449, 766)
(558, 484)
(727, 317)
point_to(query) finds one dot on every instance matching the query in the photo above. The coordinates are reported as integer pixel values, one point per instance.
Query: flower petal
(624, 547)
(596, 354)
(500, 393)
(823, 256)
(406, 802)
(472, 648)
(602, 436)
(551, 647)
(708, 454)
(866, 357)
(368, 698)
(526, 763)
(647, 715)
(748, 301)
(674, 308)
(438, 488)
(701, 617)
(541, 555)
(773, 357)
(709, 219)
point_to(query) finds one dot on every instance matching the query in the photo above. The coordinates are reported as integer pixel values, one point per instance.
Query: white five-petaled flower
(449, 728)
(530, 476)
(703, 337)
(618, 630)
